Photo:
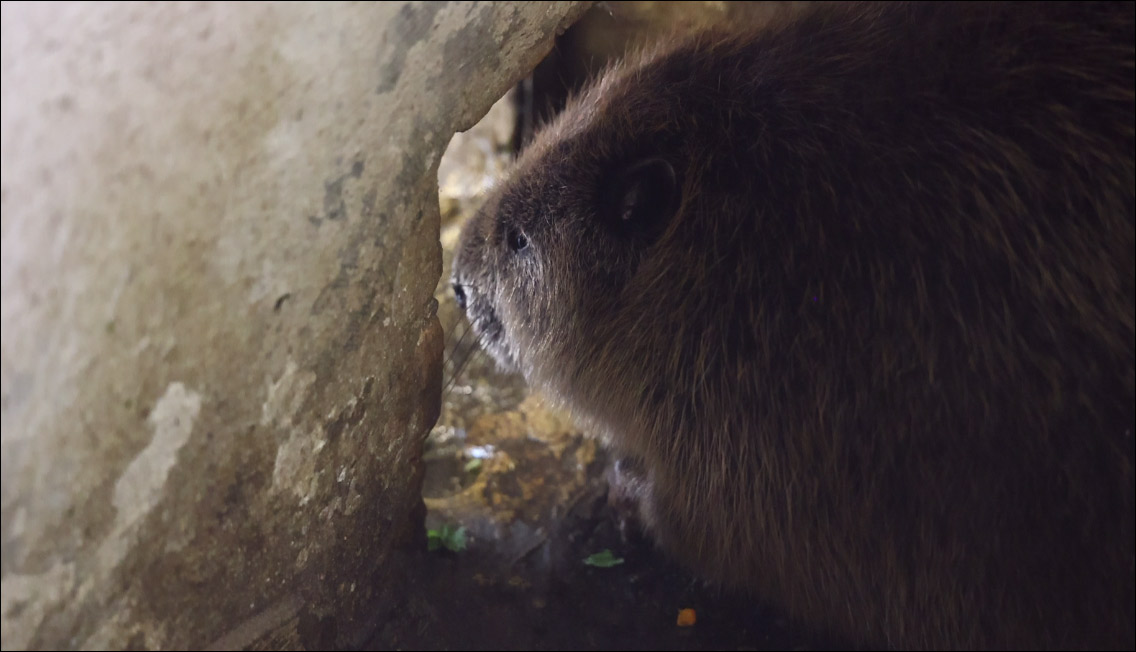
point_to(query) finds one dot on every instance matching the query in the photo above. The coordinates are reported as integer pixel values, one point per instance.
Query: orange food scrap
(686, 618)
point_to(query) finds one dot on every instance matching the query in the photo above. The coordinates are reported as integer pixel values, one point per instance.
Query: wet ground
(517, 502)
(547, 598)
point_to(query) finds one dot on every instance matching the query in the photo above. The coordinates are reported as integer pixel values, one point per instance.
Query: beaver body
(855, 293)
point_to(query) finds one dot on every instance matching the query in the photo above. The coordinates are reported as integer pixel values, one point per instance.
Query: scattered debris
(603, 559)
(448, 537)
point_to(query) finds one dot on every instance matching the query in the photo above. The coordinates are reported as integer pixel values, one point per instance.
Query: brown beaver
(855, 294)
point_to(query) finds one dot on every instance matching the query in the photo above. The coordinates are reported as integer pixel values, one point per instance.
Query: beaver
(853, 294)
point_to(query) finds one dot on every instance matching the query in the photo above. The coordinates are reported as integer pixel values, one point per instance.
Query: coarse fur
(855, 293)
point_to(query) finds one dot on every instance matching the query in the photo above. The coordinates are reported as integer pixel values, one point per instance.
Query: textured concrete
(220, 349)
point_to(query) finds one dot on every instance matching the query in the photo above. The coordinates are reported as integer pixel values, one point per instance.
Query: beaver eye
(517, 240)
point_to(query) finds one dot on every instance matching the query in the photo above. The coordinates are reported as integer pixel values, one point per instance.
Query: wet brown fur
(879, 366)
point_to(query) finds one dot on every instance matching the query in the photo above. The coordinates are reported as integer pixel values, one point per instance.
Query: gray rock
(220, 349)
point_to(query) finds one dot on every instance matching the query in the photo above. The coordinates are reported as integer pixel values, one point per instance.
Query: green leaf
(603, 559)
(448, 537)
(472, 465)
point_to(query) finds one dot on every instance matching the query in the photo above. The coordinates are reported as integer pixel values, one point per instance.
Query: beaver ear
(644, 196)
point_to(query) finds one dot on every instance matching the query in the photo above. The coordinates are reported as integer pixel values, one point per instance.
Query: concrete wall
(220, 350)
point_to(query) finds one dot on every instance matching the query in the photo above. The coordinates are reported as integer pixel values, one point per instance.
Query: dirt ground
(548, 599)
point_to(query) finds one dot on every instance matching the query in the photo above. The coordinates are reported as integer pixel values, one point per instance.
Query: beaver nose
(459, 294)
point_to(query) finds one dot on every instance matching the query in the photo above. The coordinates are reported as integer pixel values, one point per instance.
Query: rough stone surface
(220, 349)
